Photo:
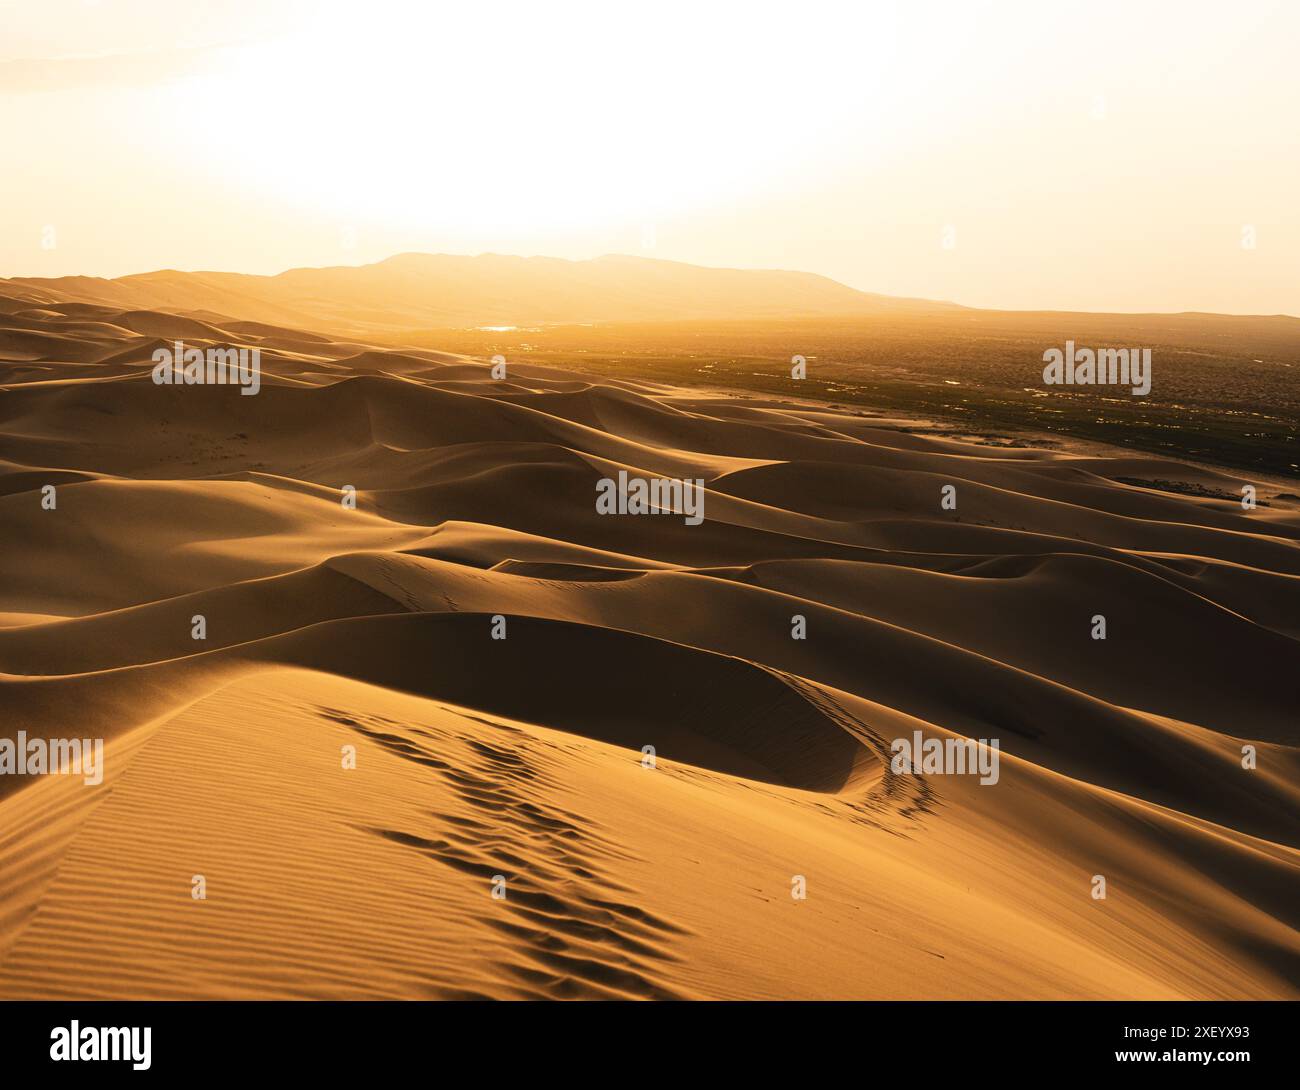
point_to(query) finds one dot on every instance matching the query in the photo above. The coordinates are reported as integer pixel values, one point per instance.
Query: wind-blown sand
(477, 757)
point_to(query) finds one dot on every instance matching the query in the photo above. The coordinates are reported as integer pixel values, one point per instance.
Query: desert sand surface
(515, 766)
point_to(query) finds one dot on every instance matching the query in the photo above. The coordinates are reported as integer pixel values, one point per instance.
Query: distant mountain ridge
(430, 291)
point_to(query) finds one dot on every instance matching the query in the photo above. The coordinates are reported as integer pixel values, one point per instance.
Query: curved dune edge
(375, 881)
(522, 757)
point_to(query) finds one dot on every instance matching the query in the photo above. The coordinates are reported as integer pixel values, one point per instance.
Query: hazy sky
(1067, 155)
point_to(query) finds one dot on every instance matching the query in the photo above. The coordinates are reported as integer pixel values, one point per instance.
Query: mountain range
(438, 291)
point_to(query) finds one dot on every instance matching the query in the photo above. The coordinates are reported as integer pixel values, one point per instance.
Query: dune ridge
(517, 763)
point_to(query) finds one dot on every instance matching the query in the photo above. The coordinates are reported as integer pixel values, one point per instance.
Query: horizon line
(655, 260)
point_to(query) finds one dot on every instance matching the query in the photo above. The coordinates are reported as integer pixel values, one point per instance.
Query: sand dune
(516, 764)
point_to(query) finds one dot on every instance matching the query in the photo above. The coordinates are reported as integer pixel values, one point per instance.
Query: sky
(1130, 156)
